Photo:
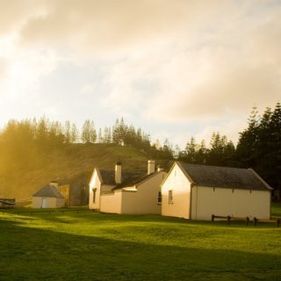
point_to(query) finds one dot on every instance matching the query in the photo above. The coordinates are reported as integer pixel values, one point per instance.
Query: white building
(198, 192)
(126, 193)
(48, 197)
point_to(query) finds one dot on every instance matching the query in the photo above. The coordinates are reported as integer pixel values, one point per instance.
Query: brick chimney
(150, 167)
(118, 173)
(55, 184)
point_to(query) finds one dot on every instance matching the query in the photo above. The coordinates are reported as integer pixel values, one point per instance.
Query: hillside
(66, 163)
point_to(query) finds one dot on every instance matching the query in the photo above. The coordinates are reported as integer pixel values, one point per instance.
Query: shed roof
(225, 177)
(48, 191)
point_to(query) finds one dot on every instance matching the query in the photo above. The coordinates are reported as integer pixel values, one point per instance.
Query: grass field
(84, 245)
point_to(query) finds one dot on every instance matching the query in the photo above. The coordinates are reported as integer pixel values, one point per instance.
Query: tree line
(258, 147)
(22, 141)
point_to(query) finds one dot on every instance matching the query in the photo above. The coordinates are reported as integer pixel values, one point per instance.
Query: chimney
(150, 167)
(118, 173)
(55, 184)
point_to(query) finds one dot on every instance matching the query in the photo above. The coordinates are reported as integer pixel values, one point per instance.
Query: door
(44, 203)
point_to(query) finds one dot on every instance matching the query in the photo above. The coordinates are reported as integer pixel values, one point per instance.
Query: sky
(175, 68)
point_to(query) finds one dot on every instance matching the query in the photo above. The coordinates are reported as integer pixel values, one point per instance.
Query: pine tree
(73, 133)
(86, 135)
(67, 131)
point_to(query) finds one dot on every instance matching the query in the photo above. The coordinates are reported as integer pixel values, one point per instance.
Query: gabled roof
(128, 178)
(135, 181)
(224, 177)
(107, 177)
(48, 191)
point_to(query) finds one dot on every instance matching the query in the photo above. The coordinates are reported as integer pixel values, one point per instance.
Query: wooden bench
(277, 221)
(6, 203)
(231, 218)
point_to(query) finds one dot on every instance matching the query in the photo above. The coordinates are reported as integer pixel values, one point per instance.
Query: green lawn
(90, 246)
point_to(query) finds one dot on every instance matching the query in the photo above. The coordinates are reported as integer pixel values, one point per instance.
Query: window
(170, 197)
(94, 195)
(159, 198)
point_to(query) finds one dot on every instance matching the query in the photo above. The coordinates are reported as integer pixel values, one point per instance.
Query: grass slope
(69, 162)
(93, 246)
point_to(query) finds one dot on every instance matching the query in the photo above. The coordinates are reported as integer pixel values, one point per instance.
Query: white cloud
(181, 62)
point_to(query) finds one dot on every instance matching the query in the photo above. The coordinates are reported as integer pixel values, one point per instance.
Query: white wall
(94, 184)
(144, 200)
(227, 202)
(37, 202)
(180, 185)
(111, 202)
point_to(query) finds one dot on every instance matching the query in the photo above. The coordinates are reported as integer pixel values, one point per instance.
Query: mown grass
(85, 245)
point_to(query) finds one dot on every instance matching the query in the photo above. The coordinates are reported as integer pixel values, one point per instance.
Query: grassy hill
(86, 245)
(67, 163)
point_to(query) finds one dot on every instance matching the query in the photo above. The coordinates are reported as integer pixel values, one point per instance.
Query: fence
(255, 220)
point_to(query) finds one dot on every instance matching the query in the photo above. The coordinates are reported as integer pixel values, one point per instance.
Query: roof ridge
(215, 166)
(224, 177)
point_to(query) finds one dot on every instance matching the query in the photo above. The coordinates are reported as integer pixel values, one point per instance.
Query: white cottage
(198, 191)
(48, 197)
(126, 193)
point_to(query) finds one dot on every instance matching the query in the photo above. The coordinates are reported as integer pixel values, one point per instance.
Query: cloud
(163, 62)
(221, 73)
(15, 13)
(3, 68)
(98, 26)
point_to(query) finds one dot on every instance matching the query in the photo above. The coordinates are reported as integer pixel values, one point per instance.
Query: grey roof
(214, 176)
(48, 191)
(107, 177)
(135, 180)
(128, 178)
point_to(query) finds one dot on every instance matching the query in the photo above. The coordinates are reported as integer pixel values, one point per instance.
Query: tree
(73, 133)
(88, 132)
(246, 148)
(191, 150)
(259, 145)
(67, 132)
(100, 137)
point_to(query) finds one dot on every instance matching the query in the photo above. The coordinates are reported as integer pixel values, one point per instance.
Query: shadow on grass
(54, 215)
(83, 215)
(42, 254)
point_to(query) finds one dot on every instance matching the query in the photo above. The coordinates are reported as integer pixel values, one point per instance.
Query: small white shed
(48, 197)
(198, 191)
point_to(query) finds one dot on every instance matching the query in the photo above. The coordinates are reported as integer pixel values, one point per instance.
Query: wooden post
(255, 221)
(213, 218)
(228, 219)
(247, 220)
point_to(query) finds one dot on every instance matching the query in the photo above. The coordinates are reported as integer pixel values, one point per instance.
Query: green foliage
(259, 145)
(90, 246)
(221, 151)
(124, 134)
(89, 134)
